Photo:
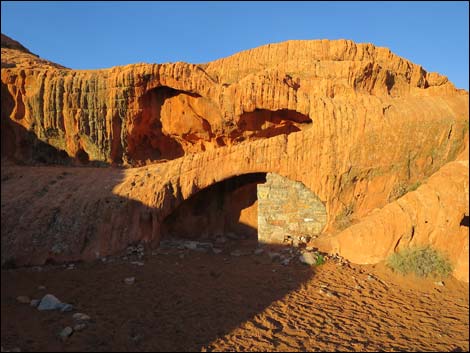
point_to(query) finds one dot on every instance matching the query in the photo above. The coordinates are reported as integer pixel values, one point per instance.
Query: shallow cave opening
(146, 141)
(82, 157)
(264, 123)
(227, 208)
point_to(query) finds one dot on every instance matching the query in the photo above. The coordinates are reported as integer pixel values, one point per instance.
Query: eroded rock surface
(435, 214)
(354, 123)
(143, 113)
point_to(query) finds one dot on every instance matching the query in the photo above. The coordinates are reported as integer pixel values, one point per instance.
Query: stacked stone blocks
(288, 212)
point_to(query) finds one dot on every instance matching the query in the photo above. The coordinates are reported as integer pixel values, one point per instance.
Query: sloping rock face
(435, 214)
(352, 122)
(15, 55)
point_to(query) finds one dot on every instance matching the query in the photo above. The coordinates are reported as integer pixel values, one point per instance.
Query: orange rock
(433, 215)
(353, 122)
(148, 112)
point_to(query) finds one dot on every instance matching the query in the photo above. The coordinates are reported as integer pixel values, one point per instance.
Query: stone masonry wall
(288, 211)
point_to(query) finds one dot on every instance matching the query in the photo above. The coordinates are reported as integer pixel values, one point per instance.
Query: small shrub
(320, 260)
(398, 191)
(343, 220)
(401, 189)
(423, 261)
(414, 186)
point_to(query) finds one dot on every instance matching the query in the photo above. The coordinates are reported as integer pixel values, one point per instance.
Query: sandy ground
(185, 300)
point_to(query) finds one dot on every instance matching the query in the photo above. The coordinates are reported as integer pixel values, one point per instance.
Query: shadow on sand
(181, 300)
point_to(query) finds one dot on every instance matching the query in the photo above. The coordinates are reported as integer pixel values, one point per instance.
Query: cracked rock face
(354, 123)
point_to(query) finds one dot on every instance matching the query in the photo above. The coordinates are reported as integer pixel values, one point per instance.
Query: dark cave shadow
(177, 303)
(217, 209)
(465, 221)
(23, 146)
(264, 123)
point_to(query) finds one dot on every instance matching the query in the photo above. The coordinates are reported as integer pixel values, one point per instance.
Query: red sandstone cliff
(353, 122)
(147, 112)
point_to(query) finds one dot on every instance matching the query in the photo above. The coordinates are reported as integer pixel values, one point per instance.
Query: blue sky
(89, 35)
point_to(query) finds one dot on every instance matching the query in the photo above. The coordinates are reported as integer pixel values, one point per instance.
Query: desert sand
(184, 300)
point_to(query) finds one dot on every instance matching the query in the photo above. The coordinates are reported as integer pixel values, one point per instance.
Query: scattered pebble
(308, 258)
(440, 283)
(23, 299)
(138, 263)
(258, 251)
(136, 338)
(49, 302)
(274, 255)
(202, 249)
(79, 327)
(191, 245)
(235, 253)
(232, 236)
(16, 349)
(129, 280)
(221, 240)
(327, 293)
(65, 333)
(42, 287)
(34, 303)
(66, 307)
(216, 251)
(80, 317)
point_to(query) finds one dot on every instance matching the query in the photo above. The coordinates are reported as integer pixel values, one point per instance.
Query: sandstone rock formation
(352, 122)
(435, 214)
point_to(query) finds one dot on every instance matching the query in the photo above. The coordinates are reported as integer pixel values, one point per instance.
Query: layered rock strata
(354, 123)
(436, 214)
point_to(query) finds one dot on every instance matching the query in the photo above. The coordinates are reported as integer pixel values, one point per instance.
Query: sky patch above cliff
(91, 35)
